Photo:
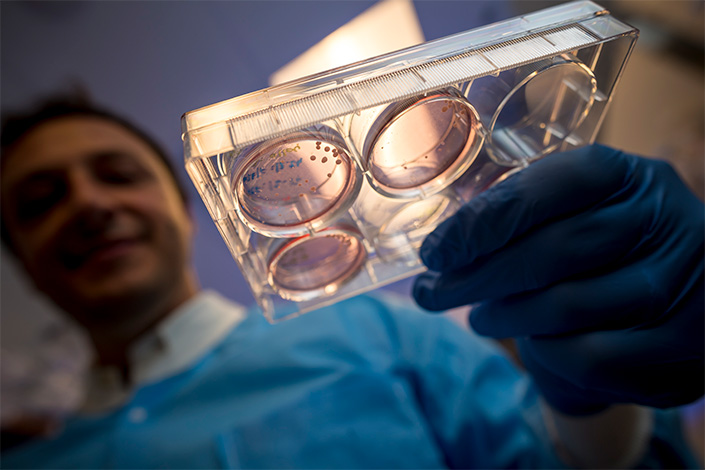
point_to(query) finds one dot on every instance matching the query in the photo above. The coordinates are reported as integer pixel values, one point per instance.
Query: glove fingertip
(481, 322)
(421, 291)
(430, 254)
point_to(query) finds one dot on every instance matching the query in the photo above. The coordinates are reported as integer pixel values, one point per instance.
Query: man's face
(94, 215)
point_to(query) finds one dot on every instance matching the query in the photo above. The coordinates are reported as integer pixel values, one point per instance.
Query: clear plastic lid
(294, 105)
(324, 187)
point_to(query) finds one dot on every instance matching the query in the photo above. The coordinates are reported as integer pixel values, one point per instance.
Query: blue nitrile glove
(592, 258)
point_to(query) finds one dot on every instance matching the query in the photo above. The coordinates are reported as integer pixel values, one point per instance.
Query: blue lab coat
(362, 384)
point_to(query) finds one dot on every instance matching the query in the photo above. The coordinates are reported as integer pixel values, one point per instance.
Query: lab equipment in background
(324, 187)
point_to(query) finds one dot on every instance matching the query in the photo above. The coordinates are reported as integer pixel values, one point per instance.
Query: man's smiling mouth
(102, 252)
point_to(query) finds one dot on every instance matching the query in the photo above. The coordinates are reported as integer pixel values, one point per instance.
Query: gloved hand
(592, 258)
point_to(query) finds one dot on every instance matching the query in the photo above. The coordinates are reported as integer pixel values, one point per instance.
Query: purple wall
(152, 61)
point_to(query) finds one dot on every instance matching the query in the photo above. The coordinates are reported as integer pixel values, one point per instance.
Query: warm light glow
(385, 27)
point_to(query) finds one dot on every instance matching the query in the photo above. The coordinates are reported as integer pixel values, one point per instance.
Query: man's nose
(92, 203)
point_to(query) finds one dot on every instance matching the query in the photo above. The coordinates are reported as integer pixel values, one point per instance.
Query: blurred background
(152, 61)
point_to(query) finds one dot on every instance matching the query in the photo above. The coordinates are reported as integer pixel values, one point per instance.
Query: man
(185, 379)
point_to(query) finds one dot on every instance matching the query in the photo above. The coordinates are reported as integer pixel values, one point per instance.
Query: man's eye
(120, 171)
(119, 176)
(37, 201)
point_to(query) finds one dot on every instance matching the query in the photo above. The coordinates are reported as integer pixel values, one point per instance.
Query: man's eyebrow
(40, 174)
(112, 155)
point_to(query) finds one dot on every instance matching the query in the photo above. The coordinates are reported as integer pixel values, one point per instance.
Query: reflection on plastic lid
(315, 265)
(417, 219)
(547, 101)
(424, 145)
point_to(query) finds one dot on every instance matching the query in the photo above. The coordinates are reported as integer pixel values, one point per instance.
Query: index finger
(556, 186)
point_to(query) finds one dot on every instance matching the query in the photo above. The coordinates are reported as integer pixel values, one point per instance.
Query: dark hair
(16, 125)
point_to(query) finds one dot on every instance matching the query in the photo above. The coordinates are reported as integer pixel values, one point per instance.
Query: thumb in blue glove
(592, 258)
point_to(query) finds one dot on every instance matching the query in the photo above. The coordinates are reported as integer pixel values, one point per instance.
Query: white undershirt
(171, 347)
